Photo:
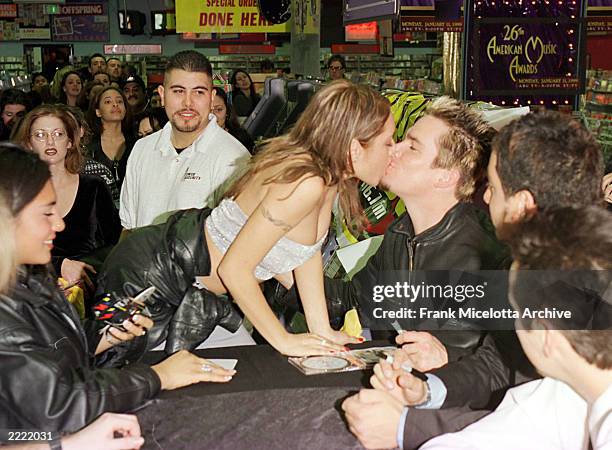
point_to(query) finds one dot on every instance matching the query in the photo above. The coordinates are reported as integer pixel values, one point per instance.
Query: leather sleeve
(424, 424)
(48, 390)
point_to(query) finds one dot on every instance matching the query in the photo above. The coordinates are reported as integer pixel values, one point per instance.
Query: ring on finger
(206, 368)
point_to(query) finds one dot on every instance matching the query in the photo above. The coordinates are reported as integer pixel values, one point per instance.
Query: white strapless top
(226, 221)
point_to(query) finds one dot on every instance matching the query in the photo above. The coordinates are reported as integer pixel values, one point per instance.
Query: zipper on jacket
(411, 246)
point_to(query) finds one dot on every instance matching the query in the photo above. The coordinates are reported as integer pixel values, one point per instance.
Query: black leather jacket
(464, 240)
(169, 256)
(47, 377)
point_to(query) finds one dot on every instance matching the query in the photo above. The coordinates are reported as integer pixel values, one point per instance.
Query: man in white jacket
(184, 164)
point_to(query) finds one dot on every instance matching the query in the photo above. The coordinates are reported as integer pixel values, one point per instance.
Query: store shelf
(13, 74)
(598, 107)
(599, 91)
(367, 68)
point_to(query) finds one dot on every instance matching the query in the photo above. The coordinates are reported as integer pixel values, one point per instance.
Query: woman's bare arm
(282, 209)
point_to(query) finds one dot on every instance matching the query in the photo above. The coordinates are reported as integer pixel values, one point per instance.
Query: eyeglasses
(335, 68)
(43, 135)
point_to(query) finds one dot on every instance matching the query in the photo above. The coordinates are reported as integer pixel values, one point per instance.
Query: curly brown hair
(553, 157)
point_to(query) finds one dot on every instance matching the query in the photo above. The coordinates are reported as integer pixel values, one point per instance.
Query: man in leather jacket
(434, 171)
(540, 161)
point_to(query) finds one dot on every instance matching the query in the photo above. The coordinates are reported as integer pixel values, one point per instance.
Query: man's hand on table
(373, 417)
(403, 386)
(422, 350)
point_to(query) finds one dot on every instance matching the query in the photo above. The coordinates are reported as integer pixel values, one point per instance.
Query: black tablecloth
(304, 418)
(268, 405)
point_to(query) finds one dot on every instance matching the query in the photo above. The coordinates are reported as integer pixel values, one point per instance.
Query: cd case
(341, 362)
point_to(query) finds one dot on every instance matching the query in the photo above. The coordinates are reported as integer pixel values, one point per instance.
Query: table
(268, 405)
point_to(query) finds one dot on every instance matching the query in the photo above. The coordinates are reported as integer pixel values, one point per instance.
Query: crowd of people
(117, 196)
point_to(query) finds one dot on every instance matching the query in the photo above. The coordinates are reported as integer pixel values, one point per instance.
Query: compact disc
(325, 363)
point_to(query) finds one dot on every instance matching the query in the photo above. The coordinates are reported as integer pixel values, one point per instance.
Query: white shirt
(542, 414)
(600, 421)
(159, 180)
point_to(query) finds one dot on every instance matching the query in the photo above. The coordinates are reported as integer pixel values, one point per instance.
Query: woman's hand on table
(184, 368)
(308, 344)
(340, 337)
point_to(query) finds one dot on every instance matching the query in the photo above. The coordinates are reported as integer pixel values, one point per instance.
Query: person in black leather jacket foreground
(435, 172)
(49, 379)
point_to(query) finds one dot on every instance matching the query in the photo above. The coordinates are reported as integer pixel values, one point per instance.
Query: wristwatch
(427, 397)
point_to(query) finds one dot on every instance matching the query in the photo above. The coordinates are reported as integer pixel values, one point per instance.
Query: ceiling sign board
(599, 16)
(133, 49)
(429, 24)
(81, 22)
(223, 16)
(431, 16)
(357, 11)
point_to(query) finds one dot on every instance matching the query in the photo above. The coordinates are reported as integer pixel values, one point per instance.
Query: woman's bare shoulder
(308, 188)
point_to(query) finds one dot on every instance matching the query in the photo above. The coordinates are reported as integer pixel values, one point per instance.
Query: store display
(597, 109)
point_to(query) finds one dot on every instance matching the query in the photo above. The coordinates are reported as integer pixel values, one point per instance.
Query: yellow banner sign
(223, 16)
